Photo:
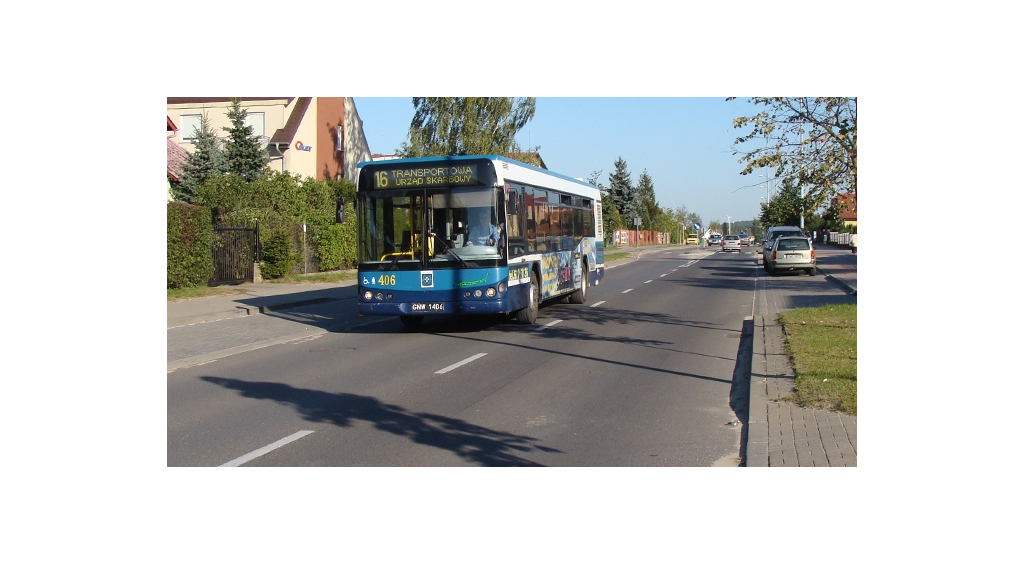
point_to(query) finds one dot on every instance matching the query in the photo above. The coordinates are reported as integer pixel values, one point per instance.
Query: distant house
(176, 157)
(849, 208)
(318, 137)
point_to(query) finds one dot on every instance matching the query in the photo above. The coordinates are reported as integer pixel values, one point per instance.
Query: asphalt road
(651, 371)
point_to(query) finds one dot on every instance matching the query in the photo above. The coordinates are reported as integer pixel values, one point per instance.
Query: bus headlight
(501, 287)
(380, 295)
(367, 295)
(491, 292)
(478, 293)
(468, 294)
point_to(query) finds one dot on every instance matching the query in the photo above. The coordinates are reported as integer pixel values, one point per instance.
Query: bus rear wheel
(580, 296)
(528, 315)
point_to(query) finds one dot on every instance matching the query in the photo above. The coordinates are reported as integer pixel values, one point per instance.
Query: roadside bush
(279, 256)
(283, 200)
(336, 242)
(189, 245)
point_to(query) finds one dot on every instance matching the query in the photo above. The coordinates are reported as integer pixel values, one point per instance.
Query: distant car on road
(789, 253)
(715, 239)
(693, 239)
(744, 240)
(731, 243)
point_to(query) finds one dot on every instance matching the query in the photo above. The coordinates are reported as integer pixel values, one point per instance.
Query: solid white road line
(460, 363)
(598, 303)
(261, 451)
(543, 327)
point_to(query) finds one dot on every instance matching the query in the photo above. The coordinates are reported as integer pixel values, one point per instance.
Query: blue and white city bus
(415, 255)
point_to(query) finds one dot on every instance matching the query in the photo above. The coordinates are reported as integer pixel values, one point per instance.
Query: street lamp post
(801, 207)
(767, 187)
(728, 220)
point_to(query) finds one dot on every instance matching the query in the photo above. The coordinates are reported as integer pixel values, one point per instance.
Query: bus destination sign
(418, 177)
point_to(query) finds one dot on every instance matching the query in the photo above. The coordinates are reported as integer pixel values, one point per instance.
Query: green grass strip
(822, 342)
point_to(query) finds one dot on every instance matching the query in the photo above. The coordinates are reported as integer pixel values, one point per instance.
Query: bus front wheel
(528, 315)
(411, 320)
(580, 296)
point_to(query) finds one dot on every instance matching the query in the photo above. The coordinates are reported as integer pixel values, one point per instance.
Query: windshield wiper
(448, 249)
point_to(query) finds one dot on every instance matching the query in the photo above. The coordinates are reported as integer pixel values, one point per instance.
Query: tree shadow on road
(472, 443)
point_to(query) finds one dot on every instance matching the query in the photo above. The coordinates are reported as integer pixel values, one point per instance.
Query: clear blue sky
(684, 143)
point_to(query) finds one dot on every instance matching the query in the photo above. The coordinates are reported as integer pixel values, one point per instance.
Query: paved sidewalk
(780, 433)
(253, 299)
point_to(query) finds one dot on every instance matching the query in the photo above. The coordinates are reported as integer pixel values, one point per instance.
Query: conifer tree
(620, 187)
(205, 161)
(246, 155)
(647, 205)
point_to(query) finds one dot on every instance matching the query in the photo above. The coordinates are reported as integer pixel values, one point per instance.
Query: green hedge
(336, 242)
(189, 245)
(279, 256)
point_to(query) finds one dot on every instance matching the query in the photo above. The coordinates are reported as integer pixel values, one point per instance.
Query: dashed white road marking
(649, 281)
(663, 275)
(543, 327)
(460, 363)
(598, 303)
(261, 451)
(627, 291)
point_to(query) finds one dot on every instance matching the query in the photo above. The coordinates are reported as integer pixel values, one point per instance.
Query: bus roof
(509, 169)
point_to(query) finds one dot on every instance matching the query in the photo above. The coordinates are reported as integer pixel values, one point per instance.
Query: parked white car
(789, 253)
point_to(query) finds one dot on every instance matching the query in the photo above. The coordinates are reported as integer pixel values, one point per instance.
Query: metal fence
(840, 238)
(235, 250)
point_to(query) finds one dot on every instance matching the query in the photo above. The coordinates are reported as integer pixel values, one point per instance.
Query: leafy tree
(245, 153)
(467, 126)
(784, 208)
(206, 161)
(664, 222)
(811, 143)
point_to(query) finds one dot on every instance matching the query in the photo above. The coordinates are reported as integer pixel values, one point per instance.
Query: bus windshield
(442, 228)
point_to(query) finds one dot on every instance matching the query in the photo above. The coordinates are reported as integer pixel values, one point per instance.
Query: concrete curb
(243, 311)
(838, 281)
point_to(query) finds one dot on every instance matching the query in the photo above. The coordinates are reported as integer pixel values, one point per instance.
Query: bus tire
(411, 320)
(580, 296)
(528, 315)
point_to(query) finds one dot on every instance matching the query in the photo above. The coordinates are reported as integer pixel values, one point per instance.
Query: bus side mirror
(339, 210)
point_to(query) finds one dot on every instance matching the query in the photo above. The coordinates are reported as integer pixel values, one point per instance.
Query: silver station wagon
(790, 253)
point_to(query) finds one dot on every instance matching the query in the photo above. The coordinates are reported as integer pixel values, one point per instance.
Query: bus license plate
(428, 306)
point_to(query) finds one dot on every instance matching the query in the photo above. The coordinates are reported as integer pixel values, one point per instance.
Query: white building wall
(356, 148)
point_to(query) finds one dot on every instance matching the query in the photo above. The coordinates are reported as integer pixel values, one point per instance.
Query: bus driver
(482, 232)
